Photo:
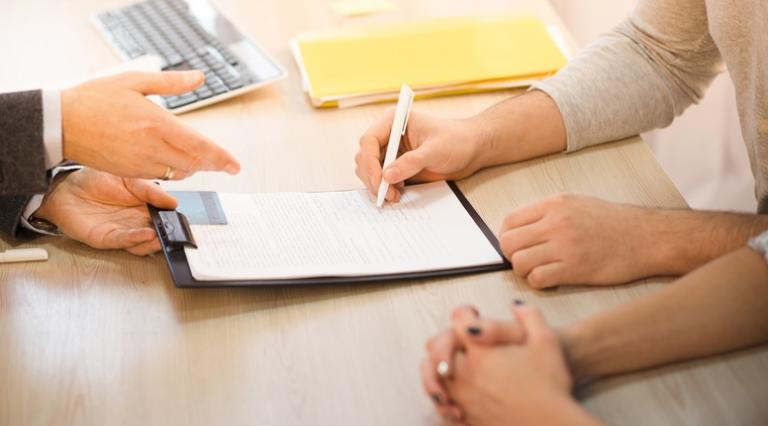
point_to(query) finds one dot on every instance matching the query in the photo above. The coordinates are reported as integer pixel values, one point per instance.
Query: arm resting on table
(720, 307)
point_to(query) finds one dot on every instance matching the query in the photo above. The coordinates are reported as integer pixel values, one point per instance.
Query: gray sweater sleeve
(639, 76)
(22, 152)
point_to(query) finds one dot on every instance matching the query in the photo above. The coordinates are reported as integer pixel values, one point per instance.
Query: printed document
(300, 235)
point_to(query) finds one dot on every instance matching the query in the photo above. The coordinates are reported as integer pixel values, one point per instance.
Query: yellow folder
(455, 55)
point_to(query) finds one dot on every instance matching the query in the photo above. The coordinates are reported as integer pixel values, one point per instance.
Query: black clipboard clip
(173, 229)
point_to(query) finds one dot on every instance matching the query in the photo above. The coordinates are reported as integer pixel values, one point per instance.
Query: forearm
(519, 128)
(636, 78)
(679, 241)
(720, 307)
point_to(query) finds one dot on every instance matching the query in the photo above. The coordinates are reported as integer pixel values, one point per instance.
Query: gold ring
(169, 172)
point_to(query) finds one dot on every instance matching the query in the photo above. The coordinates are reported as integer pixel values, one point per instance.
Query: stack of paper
(351, 67)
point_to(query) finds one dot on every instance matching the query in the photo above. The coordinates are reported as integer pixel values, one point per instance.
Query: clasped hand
(498, 372)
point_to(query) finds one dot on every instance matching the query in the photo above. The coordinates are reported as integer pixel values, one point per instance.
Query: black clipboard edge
(178, 266)
(478, 220)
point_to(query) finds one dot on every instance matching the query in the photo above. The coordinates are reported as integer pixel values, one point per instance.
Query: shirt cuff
(37, 200)
(52, 139)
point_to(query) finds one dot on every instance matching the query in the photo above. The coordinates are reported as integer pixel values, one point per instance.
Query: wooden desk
(104, 338)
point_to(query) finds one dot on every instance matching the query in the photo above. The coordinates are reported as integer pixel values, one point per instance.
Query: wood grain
(95, 338)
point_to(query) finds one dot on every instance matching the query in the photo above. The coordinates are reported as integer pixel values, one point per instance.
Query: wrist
(574, 341)
(484, 141)
(47, 211)
(664, 250)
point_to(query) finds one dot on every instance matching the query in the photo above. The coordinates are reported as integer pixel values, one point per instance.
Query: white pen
(23, 255)
(399, 124)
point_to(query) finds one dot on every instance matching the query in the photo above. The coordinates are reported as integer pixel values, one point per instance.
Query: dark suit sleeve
(22, 150)
(11, 209)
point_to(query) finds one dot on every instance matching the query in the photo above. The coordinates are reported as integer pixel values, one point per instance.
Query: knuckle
(519, 263)
(149, 127)
(561, 220)
(505, 244)
(458, 311)
(196, 163)
(536, 279)
(559, 200)
(416, 157)
(508, 220)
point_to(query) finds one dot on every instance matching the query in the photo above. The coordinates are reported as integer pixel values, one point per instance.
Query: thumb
(407, 166)
(162, 83)
(147, 192)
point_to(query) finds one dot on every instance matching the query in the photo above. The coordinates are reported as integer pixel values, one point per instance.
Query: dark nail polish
(518, 302)
(437, 399)
(475, 331)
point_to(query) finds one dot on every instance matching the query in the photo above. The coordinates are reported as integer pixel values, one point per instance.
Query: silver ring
(169, 172)
(443, 369)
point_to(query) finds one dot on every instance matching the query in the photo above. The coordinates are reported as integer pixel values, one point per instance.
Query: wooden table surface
(101, 338)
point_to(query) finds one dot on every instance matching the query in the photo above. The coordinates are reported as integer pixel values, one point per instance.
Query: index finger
(186, 139)
(440, 350)
(372, 143)
(525, 215)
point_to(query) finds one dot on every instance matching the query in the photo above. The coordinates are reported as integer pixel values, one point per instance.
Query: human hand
(527, 383)
(442, 348)
(108, 124)
(432, 149)
(105, 211)
(573, 239)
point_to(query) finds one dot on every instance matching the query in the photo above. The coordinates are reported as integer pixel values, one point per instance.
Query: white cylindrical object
(24, 255)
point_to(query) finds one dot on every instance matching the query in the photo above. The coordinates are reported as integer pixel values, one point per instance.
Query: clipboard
(174, 233)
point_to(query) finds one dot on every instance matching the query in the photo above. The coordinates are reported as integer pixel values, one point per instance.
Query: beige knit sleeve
(639, 76)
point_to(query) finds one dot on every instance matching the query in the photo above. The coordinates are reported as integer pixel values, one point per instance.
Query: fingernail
(474, 330)
(443, 369)
(476, 312)
(437, 398)
(518, 302)
(232, 169)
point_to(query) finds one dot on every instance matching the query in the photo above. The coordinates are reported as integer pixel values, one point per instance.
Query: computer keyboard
(174, 31)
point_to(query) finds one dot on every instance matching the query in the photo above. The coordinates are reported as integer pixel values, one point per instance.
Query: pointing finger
(209, 155)
(161, 83)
